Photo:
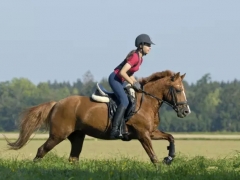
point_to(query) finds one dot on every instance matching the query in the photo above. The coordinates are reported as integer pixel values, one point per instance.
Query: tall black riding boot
(117, 121)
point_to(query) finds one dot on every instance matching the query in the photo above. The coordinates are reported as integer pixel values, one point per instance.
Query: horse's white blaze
(184, 95)
(186, 100)
(189, 110)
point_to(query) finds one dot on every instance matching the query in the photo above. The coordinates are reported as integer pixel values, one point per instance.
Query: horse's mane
(155, 76)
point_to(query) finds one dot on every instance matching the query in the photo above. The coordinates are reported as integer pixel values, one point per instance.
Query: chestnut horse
(76, 116)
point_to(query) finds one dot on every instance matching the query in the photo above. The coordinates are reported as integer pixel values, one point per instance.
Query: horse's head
(168, 87)
(174, 95)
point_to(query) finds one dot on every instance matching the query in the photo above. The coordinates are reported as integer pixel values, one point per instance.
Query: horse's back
(80, 113)
(91, 114)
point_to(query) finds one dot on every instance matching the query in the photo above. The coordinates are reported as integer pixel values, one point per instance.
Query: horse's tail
(31, 120)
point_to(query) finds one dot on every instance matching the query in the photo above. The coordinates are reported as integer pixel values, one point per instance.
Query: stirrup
(125, 133)
(122, 131)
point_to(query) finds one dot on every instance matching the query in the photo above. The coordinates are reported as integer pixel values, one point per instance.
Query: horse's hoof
(36, 159)
(73, 160)
(156, 166)
(167, 160)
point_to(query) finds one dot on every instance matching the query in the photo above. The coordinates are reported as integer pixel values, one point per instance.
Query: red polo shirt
(135, 63)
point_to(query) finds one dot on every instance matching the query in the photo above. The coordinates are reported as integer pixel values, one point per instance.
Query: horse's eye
(178, 90)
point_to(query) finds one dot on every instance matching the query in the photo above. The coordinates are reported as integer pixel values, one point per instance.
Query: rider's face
(146, 48)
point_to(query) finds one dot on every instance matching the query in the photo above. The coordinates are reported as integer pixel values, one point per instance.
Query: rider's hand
(136, 85)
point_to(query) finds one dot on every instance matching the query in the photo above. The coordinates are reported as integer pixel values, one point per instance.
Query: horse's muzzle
(183, 111)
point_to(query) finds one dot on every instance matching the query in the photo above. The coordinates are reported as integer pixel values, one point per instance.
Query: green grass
(182, 168)
(210, 133)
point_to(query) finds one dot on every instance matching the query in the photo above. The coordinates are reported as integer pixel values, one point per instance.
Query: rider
(124, 72)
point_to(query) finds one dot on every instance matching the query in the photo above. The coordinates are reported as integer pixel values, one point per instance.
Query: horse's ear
(182, 76)
(175, 76)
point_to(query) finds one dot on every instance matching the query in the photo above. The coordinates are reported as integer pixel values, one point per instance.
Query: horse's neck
(155, 89)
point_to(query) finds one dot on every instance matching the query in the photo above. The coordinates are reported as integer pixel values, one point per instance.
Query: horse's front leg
(145, 140)
(158, 135)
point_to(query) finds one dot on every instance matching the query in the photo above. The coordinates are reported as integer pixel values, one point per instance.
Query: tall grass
(183, 168)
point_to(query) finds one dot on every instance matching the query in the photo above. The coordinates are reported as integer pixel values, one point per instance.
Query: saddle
(101, 95)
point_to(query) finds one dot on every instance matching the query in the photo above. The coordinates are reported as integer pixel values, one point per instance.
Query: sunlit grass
(55, 167)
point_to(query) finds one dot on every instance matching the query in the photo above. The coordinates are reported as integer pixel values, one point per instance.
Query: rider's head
(143, 43)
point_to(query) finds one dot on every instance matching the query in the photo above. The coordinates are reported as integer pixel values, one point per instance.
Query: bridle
(172, 92)
(175, 103)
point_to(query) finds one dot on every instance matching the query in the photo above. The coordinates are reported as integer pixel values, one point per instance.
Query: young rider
(124, 72)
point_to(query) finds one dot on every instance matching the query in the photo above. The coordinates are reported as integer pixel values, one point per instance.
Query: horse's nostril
(186, 112)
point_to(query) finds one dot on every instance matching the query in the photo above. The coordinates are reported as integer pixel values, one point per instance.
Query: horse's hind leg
(51, 142)
(76, 139)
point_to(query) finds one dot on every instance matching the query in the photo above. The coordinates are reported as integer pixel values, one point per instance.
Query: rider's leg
(118, 89)
(117, 120)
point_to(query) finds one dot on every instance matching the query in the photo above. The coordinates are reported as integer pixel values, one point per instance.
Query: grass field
(182, 168)
(220, 145)
(218, 158)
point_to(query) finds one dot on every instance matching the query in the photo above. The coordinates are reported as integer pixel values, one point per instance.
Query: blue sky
(61, 40)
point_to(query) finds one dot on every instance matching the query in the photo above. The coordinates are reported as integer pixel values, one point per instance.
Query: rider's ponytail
(130, 54)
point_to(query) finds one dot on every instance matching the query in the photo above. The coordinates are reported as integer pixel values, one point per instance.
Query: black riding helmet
(141, 39)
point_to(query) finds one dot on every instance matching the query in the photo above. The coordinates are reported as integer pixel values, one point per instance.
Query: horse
(76, 116)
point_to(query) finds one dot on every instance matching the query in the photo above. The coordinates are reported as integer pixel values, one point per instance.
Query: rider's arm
(124, 74)
(132, 61)
(133, 78)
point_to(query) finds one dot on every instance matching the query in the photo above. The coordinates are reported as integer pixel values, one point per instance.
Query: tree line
(215, 105)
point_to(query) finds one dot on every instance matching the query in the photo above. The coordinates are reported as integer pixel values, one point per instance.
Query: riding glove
(137, 86)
